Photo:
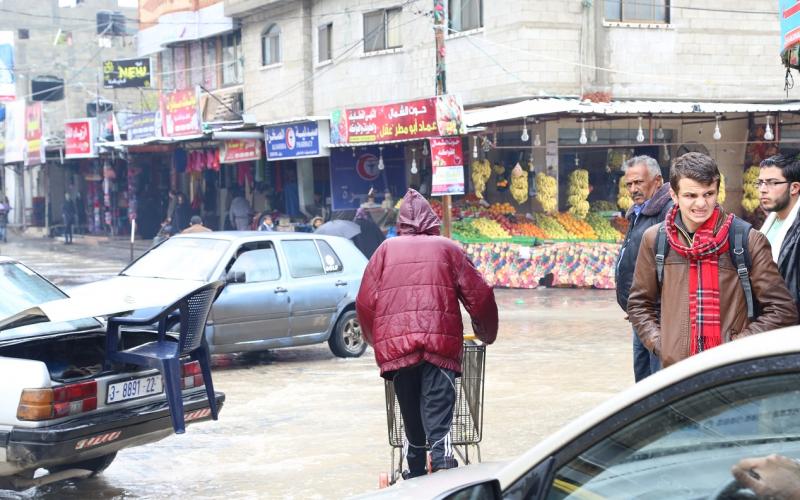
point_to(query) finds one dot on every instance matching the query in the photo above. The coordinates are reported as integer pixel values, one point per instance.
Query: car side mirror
(488, 490)
(236, 277)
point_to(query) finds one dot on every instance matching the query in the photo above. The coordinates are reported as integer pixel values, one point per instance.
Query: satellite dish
(691, 147)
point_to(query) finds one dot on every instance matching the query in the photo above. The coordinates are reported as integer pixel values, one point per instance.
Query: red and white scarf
(703, 256)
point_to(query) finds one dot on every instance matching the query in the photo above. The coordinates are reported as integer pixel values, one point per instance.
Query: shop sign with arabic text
(436, 116)
(448, 166)
(34, 150)
(234, 151)
(143, 126)
(127, 73)
(180, 113)
(79, 139)
(292, 141)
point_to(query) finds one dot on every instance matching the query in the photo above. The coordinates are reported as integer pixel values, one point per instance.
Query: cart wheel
(383, 480)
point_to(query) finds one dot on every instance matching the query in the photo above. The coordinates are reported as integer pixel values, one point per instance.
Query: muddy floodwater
(300, 423)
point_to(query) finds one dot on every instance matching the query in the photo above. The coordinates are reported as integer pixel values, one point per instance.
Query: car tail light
(57, 402)
(191, 375)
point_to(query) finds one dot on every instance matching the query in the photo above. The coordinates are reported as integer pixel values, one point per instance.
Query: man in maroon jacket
(408, 306)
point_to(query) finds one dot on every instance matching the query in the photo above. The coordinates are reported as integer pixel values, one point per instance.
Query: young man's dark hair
(790, 167)
(695, 166)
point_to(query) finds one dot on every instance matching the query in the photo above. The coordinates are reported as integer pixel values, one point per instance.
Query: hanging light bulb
(354, 152)
(525, 137)
(425, 148)
(593, 136)
(414, 161)
(381, 166)
(768, 135)
(660, 133)
(583, 139)
(666, 153)
(475, 148)
(486, 146)
(640, 132)
(536, 140)
(717, 134)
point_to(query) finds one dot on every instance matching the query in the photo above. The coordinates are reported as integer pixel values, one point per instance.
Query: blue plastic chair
(165, 353)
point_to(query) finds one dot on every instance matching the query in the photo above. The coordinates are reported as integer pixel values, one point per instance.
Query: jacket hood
(657, 203)
(417, 216)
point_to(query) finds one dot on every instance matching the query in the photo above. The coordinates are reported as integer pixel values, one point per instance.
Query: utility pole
(439, 27)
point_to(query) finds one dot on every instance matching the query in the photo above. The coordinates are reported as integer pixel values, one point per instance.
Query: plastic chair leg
(202, 356)
(171, 369)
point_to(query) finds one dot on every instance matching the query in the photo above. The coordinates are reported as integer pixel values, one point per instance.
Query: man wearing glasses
(779, 188)
(651, 202)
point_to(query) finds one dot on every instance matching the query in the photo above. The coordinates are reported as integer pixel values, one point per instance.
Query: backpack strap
(740, 229)
(661, 252)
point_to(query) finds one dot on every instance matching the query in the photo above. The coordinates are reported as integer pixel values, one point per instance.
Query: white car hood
(439, 484)
(133, 293)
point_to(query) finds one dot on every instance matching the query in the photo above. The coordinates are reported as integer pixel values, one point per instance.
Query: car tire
(346, 340)
(96, 465)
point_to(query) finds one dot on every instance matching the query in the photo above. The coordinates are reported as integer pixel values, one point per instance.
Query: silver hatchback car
(283, 289)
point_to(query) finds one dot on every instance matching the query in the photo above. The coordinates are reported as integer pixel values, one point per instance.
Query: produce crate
(524, 240)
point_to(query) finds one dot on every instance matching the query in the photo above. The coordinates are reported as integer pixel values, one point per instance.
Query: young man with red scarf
(700, 303)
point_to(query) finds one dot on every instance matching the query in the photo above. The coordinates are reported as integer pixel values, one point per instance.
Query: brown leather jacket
(666, 331)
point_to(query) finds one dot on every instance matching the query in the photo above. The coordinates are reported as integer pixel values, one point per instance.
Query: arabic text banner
(448, 166)
(292, 141)
(239, 150)
(34, 150)
(8, 81)
(437, 116)
(790, 23)
(79, 138)
(180, 113)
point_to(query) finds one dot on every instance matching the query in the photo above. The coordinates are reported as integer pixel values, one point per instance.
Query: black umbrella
(339, 227)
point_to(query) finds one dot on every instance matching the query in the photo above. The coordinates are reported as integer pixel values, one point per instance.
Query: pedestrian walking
(779, 186)
(239, 213)
(180, 216)
(5, 208)
(651, 203)
(408, 308)
(699, 302)
(370, 237)
(196, 226)
(68, 214)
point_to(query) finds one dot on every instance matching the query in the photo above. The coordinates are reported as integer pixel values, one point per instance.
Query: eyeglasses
(770, 183)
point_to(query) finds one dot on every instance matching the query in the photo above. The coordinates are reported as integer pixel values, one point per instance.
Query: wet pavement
(300, 423)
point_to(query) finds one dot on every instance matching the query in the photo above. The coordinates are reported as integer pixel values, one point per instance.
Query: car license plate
(136, 388)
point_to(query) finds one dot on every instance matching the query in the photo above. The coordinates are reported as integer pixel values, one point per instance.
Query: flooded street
(301, 423)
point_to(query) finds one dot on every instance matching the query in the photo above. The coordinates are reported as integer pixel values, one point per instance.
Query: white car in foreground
(61, 408)
(674, 435)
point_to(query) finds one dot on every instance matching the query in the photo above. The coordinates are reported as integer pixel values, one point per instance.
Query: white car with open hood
(61, 408)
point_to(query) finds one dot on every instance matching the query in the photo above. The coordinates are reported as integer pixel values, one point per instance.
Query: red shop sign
(447, 161)
(34, 152)
(436, 116)
(180, 113)
(79, 138)
(234, 151)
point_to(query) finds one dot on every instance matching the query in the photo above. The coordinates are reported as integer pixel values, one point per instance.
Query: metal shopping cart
(467, 427)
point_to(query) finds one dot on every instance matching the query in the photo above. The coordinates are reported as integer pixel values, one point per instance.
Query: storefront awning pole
(439, 26)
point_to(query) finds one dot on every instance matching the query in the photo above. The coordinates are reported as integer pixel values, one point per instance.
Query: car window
(330, 261)
(21, 288)
(180, 258)
(687, 449)
(258, 265)
(303, 258)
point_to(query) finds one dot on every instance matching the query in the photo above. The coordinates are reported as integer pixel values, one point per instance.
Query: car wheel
(96, 465)
(346, 340)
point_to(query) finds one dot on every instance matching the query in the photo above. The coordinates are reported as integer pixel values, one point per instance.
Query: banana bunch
(519, 184)
(721, 195)
(750, 200)
(547, 192)
(624, 200)
(577, 193)
(481, 171)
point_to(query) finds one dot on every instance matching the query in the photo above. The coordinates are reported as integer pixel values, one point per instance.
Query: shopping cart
(467, 427)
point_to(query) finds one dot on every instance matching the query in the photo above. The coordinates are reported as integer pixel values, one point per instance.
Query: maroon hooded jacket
(408, 301)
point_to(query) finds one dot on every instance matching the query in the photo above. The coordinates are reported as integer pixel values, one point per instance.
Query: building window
(636, 11)
(465, 15)
(179, 60)
(271, 45)
(232, 58)
(210, 66)
(325, 42)
(382, 29)
(167, 70)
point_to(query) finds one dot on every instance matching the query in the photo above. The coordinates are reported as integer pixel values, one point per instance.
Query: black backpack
(740, 256)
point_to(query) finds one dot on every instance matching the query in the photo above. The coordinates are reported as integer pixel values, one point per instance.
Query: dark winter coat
(652, 214)
(68, 212)
(370, 237)
(789, 260)
(408, 303)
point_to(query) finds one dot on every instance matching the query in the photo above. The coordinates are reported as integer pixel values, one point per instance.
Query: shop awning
(539, 107)
(149, 140)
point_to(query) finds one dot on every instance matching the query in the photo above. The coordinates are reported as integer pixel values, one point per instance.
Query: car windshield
(687, 449)
(180, 258)
(21, 289)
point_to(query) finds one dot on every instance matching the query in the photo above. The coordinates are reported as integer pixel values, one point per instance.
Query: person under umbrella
(370, 237)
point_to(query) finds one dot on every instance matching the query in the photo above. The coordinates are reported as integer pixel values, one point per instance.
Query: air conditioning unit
(110, 23)
(47, 88)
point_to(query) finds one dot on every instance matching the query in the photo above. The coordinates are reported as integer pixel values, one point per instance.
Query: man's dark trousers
(427, 397)
(645, 363)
